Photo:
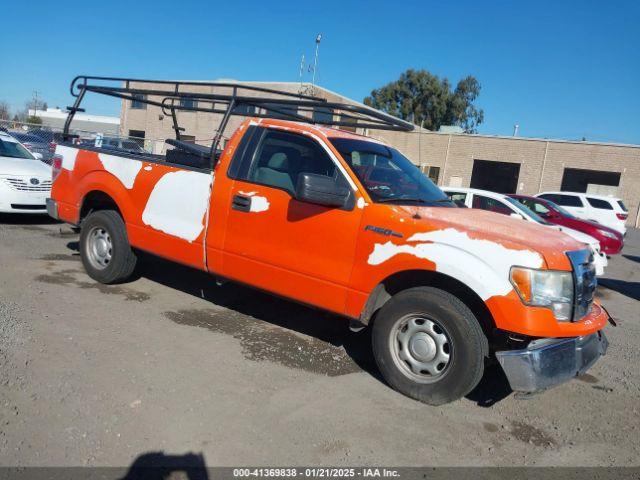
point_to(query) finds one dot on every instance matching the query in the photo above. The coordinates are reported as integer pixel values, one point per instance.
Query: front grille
(25, 185)
(585, 282)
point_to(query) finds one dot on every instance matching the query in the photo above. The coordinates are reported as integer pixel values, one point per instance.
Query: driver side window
(281, 157)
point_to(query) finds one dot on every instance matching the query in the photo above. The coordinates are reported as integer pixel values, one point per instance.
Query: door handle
(241, 203)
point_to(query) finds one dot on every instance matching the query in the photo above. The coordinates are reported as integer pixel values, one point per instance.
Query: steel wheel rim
(99, 248)
(421, 348)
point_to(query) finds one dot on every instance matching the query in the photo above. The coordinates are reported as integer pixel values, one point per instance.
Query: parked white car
(25, 182)
(608, 211)
(499, 203)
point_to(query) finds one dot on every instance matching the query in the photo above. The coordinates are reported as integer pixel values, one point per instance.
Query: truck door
(275, 242)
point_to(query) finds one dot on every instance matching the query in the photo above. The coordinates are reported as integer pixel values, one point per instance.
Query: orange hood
(511, 232)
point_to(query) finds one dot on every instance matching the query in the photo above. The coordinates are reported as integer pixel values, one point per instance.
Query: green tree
(419, 96)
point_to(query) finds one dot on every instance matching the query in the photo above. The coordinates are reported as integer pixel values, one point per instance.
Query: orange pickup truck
(342, 222)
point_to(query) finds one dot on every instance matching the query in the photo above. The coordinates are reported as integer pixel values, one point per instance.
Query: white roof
(590, 195)
(83, 117)
(486, 193)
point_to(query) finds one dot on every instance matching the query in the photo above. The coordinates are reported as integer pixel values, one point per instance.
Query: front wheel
(428, 345)
(104, 248)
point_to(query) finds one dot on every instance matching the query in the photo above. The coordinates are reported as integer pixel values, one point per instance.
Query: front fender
(480, 264)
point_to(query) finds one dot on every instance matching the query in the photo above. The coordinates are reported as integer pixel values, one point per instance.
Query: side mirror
(516, 215)
(321, 190)
(37, 156)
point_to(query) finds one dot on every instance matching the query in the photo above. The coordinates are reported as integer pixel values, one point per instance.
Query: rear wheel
(104, 248)
(428, 345)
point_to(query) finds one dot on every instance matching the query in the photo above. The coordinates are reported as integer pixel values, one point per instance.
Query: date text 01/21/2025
(315, 472)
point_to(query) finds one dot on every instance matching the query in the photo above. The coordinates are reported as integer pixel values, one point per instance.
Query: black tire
(122, 262)
(467, 345)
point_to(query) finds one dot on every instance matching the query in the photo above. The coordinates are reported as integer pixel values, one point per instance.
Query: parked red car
(611, 241)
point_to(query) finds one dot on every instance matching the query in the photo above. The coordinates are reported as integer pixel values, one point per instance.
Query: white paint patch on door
(481, 264)
(178, 203)
(124, 169)
(259, 204)
(68, 155)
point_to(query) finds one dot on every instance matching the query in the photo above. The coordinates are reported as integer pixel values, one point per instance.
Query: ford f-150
(346, 223)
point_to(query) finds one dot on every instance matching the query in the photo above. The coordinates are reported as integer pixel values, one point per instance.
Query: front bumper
(548, 362)
(24, 198)
(52, 208)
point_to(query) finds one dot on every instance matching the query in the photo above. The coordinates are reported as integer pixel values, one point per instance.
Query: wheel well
(424, 278)
(97, 200)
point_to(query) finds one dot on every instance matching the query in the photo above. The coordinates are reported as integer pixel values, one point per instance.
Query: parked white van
(608, 211)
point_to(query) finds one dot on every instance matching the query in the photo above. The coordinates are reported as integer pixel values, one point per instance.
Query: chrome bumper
(548, 362)
(52, 208)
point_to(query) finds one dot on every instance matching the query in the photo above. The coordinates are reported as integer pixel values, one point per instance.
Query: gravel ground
(171, 366)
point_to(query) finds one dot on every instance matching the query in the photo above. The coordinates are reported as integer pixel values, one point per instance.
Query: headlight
(545, 288)
(608, 234)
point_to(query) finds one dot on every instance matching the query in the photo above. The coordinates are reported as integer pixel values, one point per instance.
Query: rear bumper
(548, 362)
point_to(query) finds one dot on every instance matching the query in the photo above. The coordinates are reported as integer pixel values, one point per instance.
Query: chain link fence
(43, 139)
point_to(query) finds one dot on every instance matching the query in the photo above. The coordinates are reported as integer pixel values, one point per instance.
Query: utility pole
(420, 143)
(35, 103)
(315, 62)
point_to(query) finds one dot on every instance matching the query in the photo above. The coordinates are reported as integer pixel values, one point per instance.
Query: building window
(322, 115)
(345, 118)
(188, 103)
(283, 112)
(432, 172)
(138, 101)
(137, 136)
(243, 109)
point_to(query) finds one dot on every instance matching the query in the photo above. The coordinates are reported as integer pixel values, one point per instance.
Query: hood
(511, 232)
(23, 167)
(579, 236)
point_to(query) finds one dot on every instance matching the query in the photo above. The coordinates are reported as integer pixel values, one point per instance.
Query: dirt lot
(96, 375)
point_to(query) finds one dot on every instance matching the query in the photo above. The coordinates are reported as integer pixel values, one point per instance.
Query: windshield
(527, 211)
(561, 209)
(387, 175)
(11, 148)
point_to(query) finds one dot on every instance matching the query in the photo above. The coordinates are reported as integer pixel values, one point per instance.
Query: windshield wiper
(414, 200)
(402, 199)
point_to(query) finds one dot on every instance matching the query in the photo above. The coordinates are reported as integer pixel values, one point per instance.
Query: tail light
(52, 147)
(28, 146)
(56, 167)
(622, 216)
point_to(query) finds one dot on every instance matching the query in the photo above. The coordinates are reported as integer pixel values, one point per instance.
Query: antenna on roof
(301, 71)
(315, 64)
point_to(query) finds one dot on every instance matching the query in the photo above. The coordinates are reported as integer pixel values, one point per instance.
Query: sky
(559, 69)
